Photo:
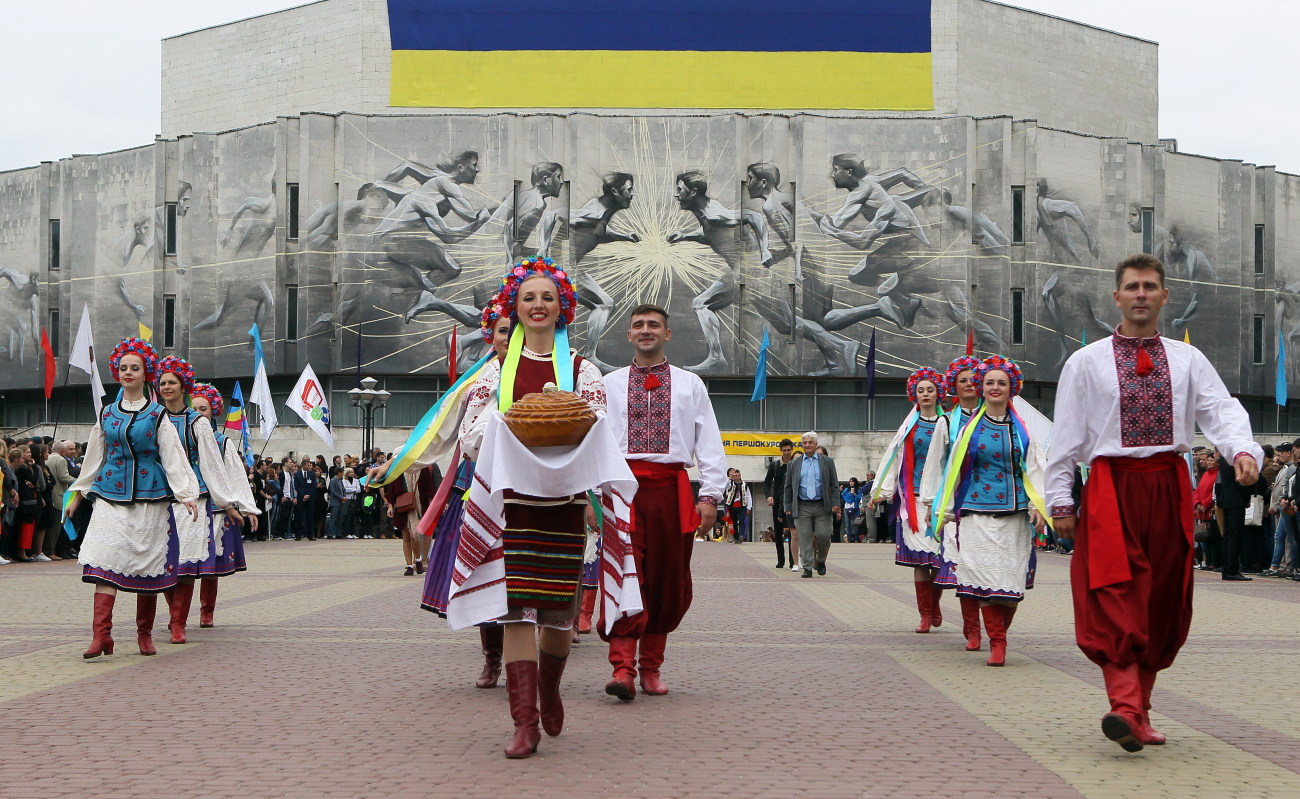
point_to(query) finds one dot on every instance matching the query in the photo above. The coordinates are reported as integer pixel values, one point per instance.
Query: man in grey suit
(812, 497)
(56, 542)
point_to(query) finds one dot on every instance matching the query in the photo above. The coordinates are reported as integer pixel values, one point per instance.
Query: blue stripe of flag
(865, 26)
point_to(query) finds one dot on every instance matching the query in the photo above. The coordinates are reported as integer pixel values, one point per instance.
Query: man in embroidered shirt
(664, 422)
(812, 495)
(1128, 405)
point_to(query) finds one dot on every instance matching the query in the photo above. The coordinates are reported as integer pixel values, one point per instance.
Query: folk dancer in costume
(198, 542)
(135, 466)
(448, 509)
(228, 557)
(993, 484)
(520, 553)
(664, 422)
(961, 383)
(899, 476)
(1128, 406)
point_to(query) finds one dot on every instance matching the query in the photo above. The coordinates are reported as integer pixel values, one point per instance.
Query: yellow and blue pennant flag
(761, 54)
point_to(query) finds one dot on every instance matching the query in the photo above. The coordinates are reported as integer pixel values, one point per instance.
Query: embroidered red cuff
(709, 501)
(1062, 510)
(1241, 455)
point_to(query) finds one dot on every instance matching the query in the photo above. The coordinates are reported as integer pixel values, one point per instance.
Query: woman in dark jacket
(31, 507)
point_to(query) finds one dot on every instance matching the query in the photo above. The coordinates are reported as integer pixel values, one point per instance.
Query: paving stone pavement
(323, 678)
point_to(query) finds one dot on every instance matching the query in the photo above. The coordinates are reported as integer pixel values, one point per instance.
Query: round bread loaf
(550, 419)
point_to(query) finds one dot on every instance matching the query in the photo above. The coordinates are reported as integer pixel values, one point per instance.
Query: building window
(1017, 214)
(291, 313)
(1148, 230)
(1017, 316)
(1257, 340)
(292, 221)
(54, 331)
(169, 321)
(55, 235)
(169, 241)
(1259, 249)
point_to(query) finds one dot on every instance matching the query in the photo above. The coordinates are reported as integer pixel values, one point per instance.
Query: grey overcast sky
(82, 76)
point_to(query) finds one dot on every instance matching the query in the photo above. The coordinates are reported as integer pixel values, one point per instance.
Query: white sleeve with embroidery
(1225, 423)
(239, 479)
(709, 455)
(1069, 432)
(935, 460)
(1036, 470)
(887, 481)
(591, 387)
(212, 465)
(480, 404)
(176, 464)
(93, 462)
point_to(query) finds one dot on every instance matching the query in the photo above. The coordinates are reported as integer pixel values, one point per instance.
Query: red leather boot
(1124, 689)
(492, 637)
(652, 657)
(970, 622)
(207, 600)
(622, 656)
(521, 682)
(101, 627)
(923, 599)
(588, 608)
(179, 606)
(936, 613)
(549, 670)
(146, 608)
(995, 623)
(1145, 732)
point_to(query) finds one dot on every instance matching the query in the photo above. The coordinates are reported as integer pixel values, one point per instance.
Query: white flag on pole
(261, 394)
(308, 401)
(82, 356)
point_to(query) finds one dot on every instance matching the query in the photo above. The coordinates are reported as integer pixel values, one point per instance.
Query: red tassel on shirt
(1144, 364)
(651, 382)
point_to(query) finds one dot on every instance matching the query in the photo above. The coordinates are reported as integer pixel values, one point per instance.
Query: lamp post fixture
(367, 399)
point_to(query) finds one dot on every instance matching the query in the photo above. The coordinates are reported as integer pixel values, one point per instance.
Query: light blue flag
(1281, 368)
(760, 372)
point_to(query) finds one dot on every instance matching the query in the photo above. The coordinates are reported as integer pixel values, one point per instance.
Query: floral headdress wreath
(958, 366)
(179, 367)
(530, 267)
(998, 363)
(926, 373)
(210, 393)
(135, 346)
(491, 313)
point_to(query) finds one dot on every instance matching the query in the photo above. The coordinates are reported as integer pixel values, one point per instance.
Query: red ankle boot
(1145, 732)
(146, 608)
(521, 682)
(970, 622)
(492, 637)
(549, 671)
(102, 626)
(622, 656)
(924, 598)
(652, 658)
(1124, 689)
(178, 605)
(995, 623)
(207, 600)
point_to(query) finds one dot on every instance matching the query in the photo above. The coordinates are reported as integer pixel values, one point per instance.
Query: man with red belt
(664, 423)
(1128, 406)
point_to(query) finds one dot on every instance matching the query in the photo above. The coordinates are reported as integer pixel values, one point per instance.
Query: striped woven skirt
(543, 547)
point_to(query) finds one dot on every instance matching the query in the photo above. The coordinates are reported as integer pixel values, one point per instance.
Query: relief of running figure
(588, 229)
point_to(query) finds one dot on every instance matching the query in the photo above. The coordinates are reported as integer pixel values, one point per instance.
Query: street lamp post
(367, 399)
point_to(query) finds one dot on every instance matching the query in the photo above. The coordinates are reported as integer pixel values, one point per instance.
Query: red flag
(970, 341)
(451, 357)
(50, 364)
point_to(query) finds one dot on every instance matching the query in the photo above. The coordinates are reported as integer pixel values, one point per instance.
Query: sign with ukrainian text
(761, 54)
(758, 444)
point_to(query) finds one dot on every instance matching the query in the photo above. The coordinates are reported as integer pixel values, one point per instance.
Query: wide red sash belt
(1107, 554)
(659, 475)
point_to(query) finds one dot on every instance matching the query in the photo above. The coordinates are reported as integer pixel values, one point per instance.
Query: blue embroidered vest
(184, 424)
(132, 470)
(921, 435)
(996, 485)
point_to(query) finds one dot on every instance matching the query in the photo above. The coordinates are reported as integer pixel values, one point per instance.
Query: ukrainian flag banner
(761, 54)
